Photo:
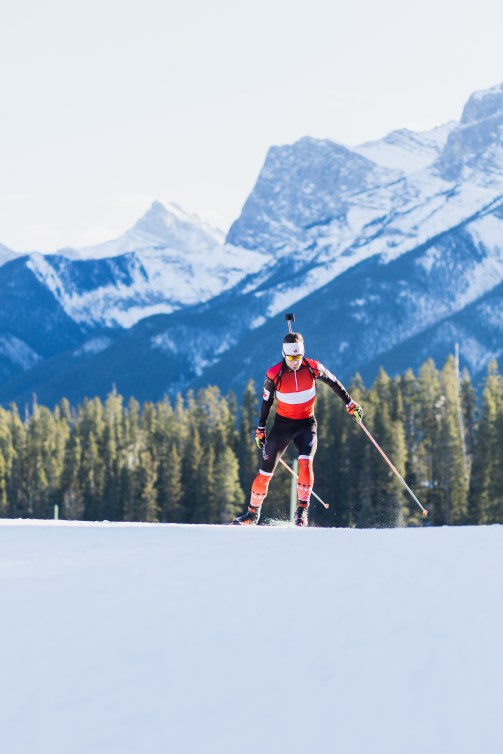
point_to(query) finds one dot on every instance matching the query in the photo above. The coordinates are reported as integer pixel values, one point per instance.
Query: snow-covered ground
(117, 639)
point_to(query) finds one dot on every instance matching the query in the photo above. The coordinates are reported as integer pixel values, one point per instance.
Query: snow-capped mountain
(168, 260)
(302, 187)
(385, 214)
(384, 251)
(82, 299)
(162, 227)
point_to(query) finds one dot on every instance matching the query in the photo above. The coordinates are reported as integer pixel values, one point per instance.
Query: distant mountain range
(388, 253)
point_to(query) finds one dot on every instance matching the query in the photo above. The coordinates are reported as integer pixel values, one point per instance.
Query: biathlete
(293, 383)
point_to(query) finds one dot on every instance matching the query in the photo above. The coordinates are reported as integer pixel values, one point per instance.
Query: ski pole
(362, 425)
(292, 472)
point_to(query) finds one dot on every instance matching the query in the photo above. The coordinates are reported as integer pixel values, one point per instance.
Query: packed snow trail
(122, 639)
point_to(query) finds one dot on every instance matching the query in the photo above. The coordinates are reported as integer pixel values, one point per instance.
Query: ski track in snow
(122, 638)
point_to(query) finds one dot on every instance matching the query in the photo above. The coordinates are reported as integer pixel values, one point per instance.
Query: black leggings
(301, 431)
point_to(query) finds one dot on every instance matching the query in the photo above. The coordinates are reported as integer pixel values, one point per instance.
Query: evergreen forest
(192, 460)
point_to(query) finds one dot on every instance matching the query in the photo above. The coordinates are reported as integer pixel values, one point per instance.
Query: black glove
(260, 437)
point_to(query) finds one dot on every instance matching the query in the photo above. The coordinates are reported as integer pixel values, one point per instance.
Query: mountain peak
(157, 206)
(302, 184)
(473, 150)
(483, 104)
(170, 224)
(158, 217)
(161, 227)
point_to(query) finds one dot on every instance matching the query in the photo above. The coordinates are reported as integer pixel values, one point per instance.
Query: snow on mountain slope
(389, 215)
(117, 639)
(366, 232)
(300, 186)
(17, 351)
(143, 284)
(405, 150)
(167, 261)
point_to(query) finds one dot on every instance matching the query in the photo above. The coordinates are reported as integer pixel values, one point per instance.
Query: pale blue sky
(109, 104)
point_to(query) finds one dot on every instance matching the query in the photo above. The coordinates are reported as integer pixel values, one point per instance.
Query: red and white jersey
(295, 391)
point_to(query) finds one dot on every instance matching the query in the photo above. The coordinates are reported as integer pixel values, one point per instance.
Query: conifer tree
(3, 486)
(470, 413)
(230, 421)
(148, 424)
(146, 494)
(229, 495)
(65, 412)
(192, 458)
(112, 446)
(169, 486)
(204, 510)
(389, 505)
(36, 479)
(453, 481)
(58, 450)
(45, 442)
(132, 431)
(484, 498)
(91, 472)
(6, 461)
(415, 467)
(91, 480)
(430, 404)
(17, 492)
(247, 453)
(496, 488)
(72, 506)
(164, 418)
(357, 486)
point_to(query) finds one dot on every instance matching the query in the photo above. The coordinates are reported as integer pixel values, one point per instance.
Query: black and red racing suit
(295, 392)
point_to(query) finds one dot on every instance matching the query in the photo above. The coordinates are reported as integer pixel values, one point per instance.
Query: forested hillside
(192, 461)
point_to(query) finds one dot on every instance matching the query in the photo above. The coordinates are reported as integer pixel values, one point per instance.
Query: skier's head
(293, 350)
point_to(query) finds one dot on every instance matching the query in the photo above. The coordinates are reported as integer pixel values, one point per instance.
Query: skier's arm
(329, 379)
(267, 401)
(352, 407)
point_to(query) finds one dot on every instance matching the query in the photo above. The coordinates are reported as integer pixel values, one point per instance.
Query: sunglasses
(293, 358)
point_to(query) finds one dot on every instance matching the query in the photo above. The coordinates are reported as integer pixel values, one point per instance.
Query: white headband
(293, 349)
